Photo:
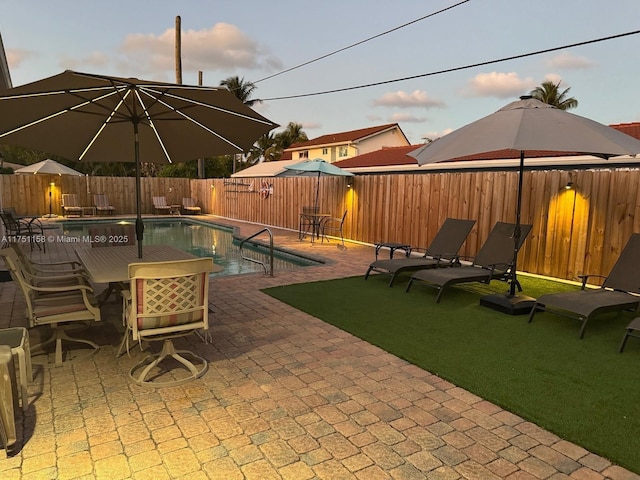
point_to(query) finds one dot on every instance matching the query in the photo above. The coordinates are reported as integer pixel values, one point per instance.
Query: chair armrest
(62, 289)
(584, 279)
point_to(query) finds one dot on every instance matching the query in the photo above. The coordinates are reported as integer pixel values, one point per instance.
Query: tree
(241, 89)
(293, 133)
(549, 92)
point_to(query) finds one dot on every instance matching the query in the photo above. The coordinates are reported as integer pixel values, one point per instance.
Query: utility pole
(178, 50)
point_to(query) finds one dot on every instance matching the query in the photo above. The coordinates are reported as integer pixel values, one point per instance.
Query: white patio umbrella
(527, 124)
(96, 118)
(48, 167)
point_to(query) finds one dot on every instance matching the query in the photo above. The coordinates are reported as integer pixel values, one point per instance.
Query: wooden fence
(575, 231)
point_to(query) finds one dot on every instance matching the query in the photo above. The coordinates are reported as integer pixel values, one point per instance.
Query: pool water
(203, 240)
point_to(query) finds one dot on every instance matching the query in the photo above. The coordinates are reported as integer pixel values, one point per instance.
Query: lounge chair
(70, 205)
(189, 206)
(615, 295)
(160, 205)
(442, 252)
(632, 330)
(101, 202)
(493, 262)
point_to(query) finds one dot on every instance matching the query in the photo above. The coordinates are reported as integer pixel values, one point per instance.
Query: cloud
(221, 48)
(401, 99)
(406, 117)
(15, 57)
(500, 85)
(97, 59)
(570, 62)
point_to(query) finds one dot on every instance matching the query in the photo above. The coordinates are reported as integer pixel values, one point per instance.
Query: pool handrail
(270, 272)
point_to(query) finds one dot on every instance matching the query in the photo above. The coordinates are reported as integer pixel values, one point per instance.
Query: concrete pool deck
(286, 396)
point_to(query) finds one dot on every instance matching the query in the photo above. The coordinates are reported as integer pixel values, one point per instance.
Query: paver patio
(286, 396)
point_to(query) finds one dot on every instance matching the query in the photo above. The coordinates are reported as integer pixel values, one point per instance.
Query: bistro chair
(308, 221)
(20, 230)
(333, 226)
(166, 300)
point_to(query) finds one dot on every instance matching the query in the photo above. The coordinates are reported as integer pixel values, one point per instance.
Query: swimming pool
(201, 239)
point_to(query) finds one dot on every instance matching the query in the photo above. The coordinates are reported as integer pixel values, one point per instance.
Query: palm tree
(293, 133)
(241, 89)
(549, 92)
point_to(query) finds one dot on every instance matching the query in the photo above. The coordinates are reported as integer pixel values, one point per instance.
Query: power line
(362, 41)
(449, 70)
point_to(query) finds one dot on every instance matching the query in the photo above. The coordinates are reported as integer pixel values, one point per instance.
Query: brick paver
(286, 396)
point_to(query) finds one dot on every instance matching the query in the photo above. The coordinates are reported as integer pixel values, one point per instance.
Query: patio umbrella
(48, 167)
(97, 118)
(526, 124)
(317, 167)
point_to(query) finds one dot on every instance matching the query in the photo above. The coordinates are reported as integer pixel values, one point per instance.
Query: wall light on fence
(349, 185)
(569, 186)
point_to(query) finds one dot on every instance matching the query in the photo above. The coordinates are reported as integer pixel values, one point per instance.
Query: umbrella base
(510, 304)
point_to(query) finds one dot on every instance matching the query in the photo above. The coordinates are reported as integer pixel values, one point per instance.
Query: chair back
(310, 210)
(112, 235)
(450, 237)
(159, 201)
(69, 200)
(12, 262)
(169, 297)
(101, 200)
(625, 274)
(188, 202)
(11, 225)
(498, 248)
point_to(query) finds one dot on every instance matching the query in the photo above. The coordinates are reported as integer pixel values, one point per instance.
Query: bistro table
(111, 264)
(315, 220)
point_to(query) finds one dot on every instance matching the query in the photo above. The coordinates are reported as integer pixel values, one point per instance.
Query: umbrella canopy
(317, 167)
(50, 167)
(527, 124)
(96, 118)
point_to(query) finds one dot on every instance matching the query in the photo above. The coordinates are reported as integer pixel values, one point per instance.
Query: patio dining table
(111, 264)
(315, 220)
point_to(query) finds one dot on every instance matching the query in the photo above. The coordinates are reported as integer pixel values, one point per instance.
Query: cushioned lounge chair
(442, 252)
(615, 295)
(632, 330)
(493, 262)
(160, 205)
(189, 206)
(70, 205)
(101, 202)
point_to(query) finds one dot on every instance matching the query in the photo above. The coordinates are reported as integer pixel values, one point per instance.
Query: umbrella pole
(512, 303)
(139, 224)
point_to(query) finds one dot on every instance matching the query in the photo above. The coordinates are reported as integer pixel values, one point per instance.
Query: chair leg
(624, 340)
(60, 334)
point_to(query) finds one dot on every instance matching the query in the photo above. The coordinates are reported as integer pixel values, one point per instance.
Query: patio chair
(189, 206)
(333, 225)
(618, 291)
(308, 221)
(632, 330)
(442, 252)
(59, 307)
(493, 261)
(23, 230)
(160, 205)
(166, 300)
(70, 205)
(101, 202)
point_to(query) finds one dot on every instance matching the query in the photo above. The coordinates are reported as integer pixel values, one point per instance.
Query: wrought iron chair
(23, 230)
(166, 300)
(333, 226)
(308, 221)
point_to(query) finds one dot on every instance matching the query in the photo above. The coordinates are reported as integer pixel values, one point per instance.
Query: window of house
(303, 154)
(325, 151)
(343, 151)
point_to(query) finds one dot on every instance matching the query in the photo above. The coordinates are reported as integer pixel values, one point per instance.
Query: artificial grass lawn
(582, 390)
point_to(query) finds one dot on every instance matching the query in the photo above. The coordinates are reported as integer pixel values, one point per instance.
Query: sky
(258, 39)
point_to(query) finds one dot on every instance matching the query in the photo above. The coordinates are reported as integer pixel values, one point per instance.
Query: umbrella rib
(193, 120)
(102, 127)
(153, 127)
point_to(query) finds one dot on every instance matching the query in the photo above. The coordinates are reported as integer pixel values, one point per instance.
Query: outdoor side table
(174, 209)
(87, 211)
(393, 247)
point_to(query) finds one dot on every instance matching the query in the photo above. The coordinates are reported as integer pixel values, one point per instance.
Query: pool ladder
(270, 270)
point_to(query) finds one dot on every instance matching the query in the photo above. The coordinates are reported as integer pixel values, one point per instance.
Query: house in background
(332, 148)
